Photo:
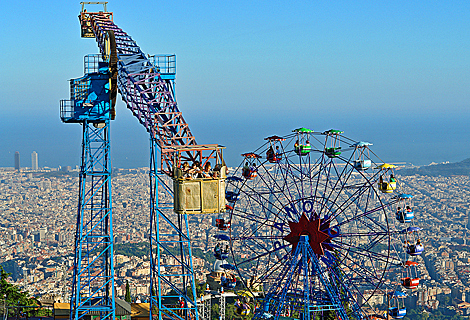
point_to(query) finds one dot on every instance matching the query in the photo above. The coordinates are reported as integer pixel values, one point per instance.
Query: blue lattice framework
(146, 85)
(93, 274)
(310, 302)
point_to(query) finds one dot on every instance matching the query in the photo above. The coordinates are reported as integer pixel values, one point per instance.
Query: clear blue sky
(396, 73)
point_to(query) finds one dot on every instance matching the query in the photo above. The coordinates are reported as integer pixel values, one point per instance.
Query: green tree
(128, 293)
(230, 311)
(15, 297)
(200, 289)
(215, 312)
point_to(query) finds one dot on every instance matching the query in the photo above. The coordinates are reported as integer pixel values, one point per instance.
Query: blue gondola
(415, 249)
(360, 144)
(404, 196)
(228, 283)
(221, 249)
(223, 237)
(411, 229)
(362, 153)
(232, 196)
(397, 313)
(398, 309)
(228, 266)
(362, 164)
(404, 216)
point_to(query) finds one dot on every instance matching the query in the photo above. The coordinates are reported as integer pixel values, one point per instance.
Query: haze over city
(392, 73)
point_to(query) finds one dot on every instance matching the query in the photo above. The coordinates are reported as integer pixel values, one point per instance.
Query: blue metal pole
(93, 282)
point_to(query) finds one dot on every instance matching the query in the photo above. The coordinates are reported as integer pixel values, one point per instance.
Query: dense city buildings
(38, 221)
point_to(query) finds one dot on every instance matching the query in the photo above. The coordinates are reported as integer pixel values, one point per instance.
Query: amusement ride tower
(146, 85)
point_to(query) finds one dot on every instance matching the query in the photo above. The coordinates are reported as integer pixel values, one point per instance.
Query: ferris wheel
(311, 229)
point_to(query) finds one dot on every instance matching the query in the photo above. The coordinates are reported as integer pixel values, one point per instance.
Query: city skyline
(17, 161)
(34, 161)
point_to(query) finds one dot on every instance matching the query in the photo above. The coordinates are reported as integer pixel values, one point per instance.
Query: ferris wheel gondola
(302, 145)
(249, 169)
(397, 310)
(404, 212)
(387, 181)
(273, 154)
(362, 155)
(410, 279)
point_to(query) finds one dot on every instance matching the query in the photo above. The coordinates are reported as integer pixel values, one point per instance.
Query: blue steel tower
(91, 105)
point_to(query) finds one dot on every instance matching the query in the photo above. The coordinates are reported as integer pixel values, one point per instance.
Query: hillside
(445, 170)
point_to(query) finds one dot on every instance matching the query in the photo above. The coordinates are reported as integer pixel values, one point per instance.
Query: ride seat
(333, 152)
(410, 283)
(397, 313)
(249, 174)
(387, 187)
(362, 164)
(221, 224)
(406, 216)
(414, 250)
(274, 159)
(303, 150)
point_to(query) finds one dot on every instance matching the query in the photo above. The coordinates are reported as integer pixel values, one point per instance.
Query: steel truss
(171, 264)
(204, 307)
(93, 274)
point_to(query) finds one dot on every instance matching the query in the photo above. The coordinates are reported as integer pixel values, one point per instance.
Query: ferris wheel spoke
(363, 215)
(360, 268)
(356, 289)
(326, 184)
(342, 186)
(279, 268)
(363, 275)
(359, 234)
(365, 249)
(274, 218)
(259, 257)
(238, 238)
(360, 252)
(264, 202)
(275, 184)
(369, 222)
(292, 180)
(374, 239)
(350, 200)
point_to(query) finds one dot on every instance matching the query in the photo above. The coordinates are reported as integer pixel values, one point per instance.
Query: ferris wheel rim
(233, 212)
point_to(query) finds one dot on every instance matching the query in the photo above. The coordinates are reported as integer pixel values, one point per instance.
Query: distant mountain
(461, 168)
